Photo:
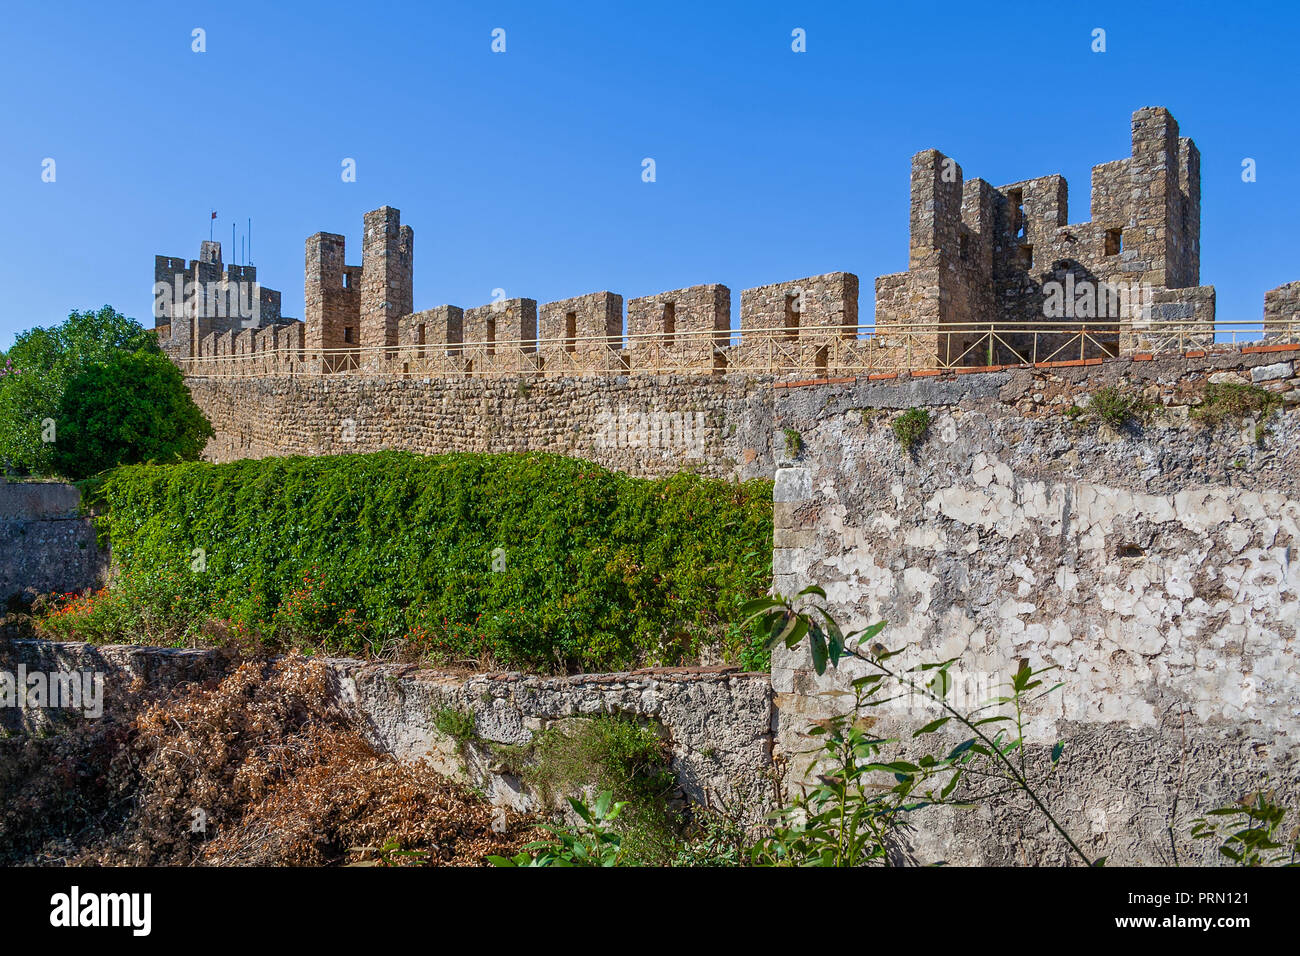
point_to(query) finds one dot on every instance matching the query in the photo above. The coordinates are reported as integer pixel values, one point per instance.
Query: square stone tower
(387, 253)
(982, 256)
(331, 300)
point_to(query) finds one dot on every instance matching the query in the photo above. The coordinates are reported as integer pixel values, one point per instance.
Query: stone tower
(386, 276)
(331, 297)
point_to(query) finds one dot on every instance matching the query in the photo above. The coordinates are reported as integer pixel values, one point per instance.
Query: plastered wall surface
(1153, 565)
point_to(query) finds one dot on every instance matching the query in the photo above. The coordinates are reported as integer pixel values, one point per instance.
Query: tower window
(348, 334)
(670, 322)
(570, 332)
(1016, 200)
(792, 316)
(1114, 241)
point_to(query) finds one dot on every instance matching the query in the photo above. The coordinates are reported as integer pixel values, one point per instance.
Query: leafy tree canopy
(37, 371)
(132, 407)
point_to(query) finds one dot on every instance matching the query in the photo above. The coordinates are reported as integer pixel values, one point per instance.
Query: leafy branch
(855, 814)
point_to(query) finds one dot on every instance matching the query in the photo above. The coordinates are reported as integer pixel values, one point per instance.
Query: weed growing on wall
(1231, 400)
(616, 757)
(1116, 407)
(910, 427)
(533, 560)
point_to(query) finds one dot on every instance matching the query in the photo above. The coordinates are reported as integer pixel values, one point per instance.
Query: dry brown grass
(278, 770)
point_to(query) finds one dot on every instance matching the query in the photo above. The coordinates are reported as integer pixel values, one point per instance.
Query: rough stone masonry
(1154, 565)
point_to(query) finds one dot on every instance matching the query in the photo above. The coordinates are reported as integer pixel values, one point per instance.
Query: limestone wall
(719, 723)
(1154, 565)
(654, 425)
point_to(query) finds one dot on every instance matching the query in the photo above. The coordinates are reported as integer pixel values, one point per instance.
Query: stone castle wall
(716, 425)
(992, 255)
(979, 257)
(1154, 565)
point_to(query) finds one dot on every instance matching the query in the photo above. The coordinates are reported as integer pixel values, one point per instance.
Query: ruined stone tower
(980, 254)
(331, 298)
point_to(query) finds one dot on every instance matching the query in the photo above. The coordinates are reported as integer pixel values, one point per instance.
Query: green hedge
(600, 570)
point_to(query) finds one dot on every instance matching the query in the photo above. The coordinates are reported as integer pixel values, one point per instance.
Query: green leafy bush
(594, 842)
(535, 560)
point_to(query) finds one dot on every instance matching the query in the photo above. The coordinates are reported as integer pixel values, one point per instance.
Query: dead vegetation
(260, 768)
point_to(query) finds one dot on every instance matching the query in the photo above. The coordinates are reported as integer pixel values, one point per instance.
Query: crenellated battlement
(995, 276)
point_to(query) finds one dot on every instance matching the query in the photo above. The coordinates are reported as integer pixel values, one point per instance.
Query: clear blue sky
(522, 170)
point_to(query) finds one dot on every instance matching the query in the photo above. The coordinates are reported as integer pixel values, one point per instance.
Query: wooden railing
(815, 351)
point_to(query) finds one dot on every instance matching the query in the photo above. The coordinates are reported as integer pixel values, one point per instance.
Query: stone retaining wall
(45, 543)
(719, 723)
(644, 425)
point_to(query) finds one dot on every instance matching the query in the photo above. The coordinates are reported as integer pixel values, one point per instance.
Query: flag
(214, 214)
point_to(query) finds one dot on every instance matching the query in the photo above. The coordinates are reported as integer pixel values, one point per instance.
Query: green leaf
(817, 645)
(932, 726)
(950, 785)
(961, 748)
(898, 766)
(868, 633)
(751, 609)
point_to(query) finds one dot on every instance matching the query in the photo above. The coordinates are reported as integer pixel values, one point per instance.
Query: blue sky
(522, 170)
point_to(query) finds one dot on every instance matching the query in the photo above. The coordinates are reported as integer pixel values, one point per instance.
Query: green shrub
(596, 569)
(793, 443)
(614, 755)
(910, 427)
(37, 370)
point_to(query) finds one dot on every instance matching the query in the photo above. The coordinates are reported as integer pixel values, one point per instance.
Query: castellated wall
(995, 276)
(1282, 311)
(643, 425)
(1156, 567)
(224, 299)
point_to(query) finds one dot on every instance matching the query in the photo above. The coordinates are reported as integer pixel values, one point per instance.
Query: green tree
(133, 407)
(37, 369)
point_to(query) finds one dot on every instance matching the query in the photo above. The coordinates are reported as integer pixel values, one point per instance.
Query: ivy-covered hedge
(594, 568)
